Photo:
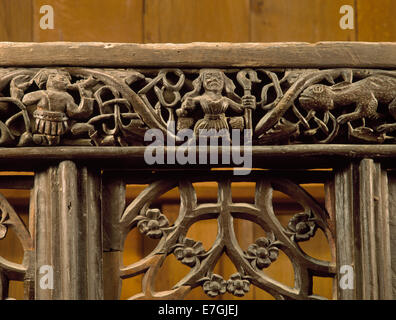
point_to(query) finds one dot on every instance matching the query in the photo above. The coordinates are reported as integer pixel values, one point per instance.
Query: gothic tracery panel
(11, 270)
(144, 215)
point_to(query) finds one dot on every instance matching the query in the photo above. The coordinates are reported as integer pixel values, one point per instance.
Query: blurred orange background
(179, 21)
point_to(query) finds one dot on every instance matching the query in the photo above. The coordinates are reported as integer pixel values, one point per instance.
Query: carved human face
(316, 97)
(213, 80)
(58, 81)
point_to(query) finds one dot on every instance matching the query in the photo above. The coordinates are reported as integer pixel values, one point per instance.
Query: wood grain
(363, 235)
(68, 231)
(376, 20)
(181, 21)
(392, 227)
(86, 20)
(201, 54)
(316, 156)
(16, 20)
(344, 211)
(303, 20)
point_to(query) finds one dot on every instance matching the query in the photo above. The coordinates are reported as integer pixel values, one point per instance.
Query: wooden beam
(200, 54)
(301, 156)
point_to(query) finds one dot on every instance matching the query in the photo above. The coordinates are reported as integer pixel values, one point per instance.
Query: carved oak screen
(79, 120)
(115, 107)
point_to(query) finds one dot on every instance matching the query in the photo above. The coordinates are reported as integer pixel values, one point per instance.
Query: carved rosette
(262, 253)
(152, 223)
(214, 285)
(189, 252)
(302, 226)
(115, 107)
(238, 285)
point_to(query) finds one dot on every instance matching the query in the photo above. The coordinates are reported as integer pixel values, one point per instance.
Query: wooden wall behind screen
(181, 21)
(146, 21)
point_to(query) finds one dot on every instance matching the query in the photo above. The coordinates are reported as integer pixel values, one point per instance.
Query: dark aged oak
(76, 114)
(116, 107)
(197, 55)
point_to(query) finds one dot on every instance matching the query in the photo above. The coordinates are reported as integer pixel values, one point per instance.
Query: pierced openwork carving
(102, 107)
(143, 215)
(10, 270)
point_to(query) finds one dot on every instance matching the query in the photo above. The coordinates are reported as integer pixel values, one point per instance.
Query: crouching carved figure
(54, 106)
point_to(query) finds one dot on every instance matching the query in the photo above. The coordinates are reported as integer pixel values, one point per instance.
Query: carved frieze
(115, 107)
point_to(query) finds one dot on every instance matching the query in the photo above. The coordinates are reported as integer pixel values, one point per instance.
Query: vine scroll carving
(115, 107)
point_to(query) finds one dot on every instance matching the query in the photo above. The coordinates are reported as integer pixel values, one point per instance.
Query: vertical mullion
(362, 230)
(69, 209)
(382, 233)
(344, 208)
(392, 228)
(113, 205)
(367, 227)
(66, 202)
(92, 204)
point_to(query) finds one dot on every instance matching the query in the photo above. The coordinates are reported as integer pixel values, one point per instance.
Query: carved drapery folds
(115, 107)
(143, 215)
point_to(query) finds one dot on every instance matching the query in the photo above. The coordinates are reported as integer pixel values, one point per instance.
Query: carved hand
(249, 101)
(188, 104)
(181, 112)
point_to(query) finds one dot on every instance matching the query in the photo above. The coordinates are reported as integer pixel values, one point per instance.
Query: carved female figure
(213, 103)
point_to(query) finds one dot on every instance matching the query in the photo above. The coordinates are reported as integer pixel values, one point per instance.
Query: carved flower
(189, 252)
(152, 223)
(302, 225)
(238, 286)
(214, 285)
(262, 253)
(3, 227)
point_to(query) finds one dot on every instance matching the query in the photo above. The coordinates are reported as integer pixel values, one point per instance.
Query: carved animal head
(317, 97)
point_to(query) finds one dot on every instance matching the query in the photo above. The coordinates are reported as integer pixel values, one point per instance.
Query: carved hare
(365, 94)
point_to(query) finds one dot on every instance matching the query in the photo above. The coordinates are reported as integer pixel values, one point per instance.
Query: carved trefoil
(249, 263)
